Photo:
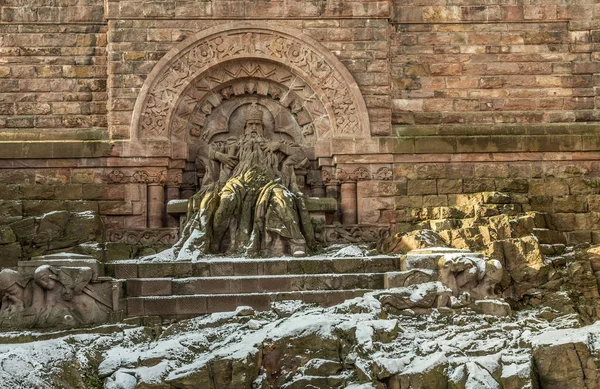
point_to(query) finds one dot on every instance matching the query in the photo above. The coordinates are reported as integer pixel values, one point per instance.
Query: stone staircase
(184, 289)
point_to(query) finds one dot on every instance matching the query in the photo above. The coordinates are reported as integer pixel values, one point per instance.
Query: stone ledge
(313, 204)
(497, 129)
(57, 149)
(53, 134)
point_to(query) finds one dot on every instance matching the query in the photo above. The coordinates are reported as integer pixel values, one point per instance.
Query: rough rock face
(355, 345)
(538, 268)
(47, 233)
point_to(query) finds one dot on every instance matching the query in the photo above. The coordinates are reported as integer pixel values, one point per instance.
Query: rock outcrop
(538, 268)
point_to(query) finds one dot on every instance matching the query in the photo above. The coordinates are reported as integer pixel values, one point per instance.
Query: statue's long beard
(253, 154)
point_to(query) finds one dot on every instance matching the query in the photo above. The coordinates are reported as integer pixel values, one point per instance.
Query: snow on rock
(349, 251)
(354, 345)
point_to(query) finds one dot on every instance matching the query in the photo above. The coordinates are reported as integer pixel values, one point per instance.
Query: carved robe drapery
(249, 202)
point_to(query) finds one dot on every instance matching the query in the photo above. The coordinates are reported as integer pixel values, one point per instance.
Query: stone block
(421, 187)
(135, 307)
(41, 207)
(492, 307)
(144, 287)
(10, 211)
(221, 303)
(567, 204)
(275, 267)
(126, 270)
(245, 268)
(274, 284)
(221, 269)
(10, 254)
(118, 251)
(191, 305)
(209, 285)
(160, 306)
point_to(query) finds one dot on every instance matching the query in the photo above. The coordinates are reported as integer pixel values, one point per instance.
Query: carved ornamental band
(326, 76)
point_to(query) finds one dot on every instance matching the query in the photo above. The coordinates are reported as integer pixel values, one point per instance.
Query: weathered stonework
(406, 107)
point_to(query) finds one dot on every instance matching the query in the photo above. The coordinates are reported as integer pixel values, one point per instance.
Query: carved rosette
(309, 62)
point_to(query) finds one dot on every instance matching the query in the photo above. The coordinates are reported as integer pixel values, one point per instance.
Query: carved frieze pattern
(138, 177)
(361, 174)
(251, 77)
(144, 237)
(272, 45)
(339, 233)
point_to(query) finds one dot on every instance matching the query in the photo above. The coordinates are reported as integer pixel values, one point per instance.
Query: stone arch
(282, 63)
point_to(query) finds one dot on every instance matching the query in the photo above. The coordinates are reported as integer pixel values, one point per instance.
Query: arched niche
(283, 64)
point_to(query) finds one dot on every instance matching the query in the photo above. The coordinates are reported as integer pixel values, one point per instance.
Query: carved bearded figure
(249, 202)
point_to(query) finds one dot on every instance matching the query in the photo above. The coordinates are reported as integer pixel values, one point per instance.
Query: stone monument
(249, 201)
(55, 294)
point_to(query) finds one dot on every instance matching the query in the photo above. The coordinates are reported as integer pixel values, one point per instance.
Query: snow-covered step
(143, 287)
(227, 267)
(178, 307)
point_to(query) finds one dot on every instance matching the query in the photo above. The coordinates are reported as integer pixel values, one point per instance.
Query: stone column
(156, 205)
(174, 181)
(349, 203)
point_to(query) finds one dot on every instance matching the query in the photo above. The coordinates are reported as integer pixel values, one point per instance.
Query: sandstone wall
(463, 96)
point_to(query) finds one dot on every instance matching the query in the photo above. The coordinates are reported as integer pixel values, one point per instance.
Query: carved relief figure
(470, 277)
(249, 202)
(19, 305)
(53, 297)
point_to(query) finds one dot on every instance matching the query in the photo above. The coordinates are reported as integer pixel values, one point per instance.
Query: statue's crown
(254, 113)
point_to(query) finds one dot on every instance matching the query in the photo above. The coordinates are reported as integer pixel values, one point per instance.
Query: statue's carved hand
(274, 146)
(228, 160)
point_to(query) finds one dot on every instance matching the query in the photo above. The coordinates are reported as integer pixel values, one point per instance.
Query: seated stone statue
(249, 202)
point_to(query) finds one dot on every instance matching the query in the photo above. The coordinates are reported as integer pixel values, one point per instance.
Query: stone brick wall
(135, 46)
(463, 96)
(53, 71)
(466, 62)
(423, 188)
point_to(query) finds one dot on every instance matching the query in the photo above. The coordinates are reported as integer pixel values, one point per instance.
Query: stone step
(179, 307)
(546, 236)
(145, 287)
(227, 267)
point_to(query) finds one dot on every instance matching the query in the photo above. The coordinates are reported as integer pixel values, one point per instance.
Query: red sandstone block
(245, 285)
(191, 305)
(446, 69)
(420, 187)
(135, 307)
(225, 303)
(160, 306)
(245, 268)
(274, 284)
(221, 269)
(125, 270)
(274, 267)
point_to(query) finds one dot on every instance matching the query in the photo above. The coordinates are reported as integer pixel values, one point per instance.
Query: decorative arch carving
(233, 59)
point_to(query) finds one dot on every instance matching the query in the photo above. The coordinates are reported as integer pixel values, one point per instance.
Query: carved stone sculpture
(468, 276)
(464, 273)
(249, 202)
(53, 297)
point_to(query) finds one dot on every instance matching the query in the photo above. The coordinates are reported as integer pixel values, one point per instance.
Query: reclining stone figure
(53, 297)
